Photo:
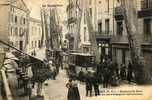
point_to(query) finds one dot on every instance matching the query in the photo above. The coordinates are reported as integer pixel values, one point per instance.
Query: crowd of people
(108, 73)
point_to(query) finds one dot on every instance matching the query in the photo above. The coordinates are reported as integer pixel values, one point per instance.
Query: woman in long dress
(73, 92)
(76, 90)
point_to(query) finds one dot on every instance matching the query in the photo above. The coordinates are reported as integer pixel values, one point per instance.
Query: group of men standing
(108, 73)
(113, 74)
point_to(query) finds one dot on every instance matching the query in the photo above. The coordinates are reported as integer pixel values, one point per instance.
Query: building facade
(72, 14)
(4, 19)
(145, 29)
(18, 24)
(105, 23)
(14, 22)
(78, 31)
(112, 35)
(35, 36)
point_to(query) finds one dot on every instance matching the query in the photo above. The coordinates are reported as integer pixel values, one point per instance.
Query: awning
(11, 56)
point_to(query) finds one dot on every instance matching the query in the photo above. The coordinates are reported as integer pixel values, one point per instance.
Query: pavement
(56, 90)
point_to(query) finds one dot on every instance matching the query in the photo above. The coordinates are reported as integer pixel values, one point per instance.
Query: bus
(80, 62)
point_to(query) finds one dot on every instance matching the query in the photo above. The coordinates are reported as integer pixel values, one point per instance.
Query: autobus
(83, 62)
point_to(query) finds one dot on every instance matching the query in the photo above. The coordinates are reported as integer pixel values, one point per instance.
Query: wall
(19, 29)
(35, 34)
(4, 30)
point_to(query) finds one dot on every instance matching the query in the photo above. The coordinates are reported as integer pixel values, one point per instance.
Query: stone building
(14, 22)
(4, 20)
(35, 35)
(77, 10)
(72, 14)
(145, 29)
(112, 36)
(105, 22)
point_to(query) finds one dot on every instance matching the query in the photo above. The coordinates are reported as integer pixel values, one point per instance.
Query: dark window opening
(107, 26)
(24, 21)
(100, 27)
(16, 31)
(91, 12)
(21, 45)
(147, 26)
(119, 28)
(15, 19)
(35, 44)
(39, 43)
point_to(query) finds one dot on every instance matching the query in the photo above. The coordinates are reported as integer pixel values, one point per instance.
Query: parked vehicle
(80, 63)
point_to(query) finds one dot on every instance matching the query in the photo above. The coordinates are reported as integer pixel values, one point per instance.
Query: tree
(134, 46)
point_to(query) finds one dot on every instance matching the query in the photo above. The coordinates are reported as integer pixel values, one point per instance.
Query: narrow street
(76, 50)
(56, 90)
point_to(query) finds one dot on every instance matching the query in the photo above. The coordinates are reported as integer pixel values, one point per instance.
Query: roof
(16, 3)
(21, 4)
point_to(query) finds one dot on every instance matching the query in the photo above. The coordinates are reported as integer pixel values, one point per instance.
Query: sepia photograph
(75, 49)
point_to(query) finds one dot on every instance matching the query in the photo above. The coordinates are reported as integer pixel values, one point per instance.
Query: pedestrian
(76, 90)
(61, 59)
(29, 89)
(81, 76)
(70, 90)
(25, 84)
(54, 73)
(130, 71)
(96, 85)
(117, 68)
(123, 72)
(88, 86)
(73, 92)
(105, 77)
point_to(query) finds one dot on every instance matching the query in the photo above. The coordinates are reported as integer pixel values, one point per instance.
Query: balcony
(146, 9)
(72, 20)
(140, 38)
(103, 36)
(118, 13)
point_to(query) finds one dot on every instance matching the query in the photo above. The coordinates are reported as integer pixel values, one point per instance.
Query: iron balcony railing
(142, 38)
(105, 34)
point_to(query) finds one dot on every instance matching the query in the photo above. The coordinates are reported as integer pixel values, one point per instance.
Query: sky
(34, 6)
